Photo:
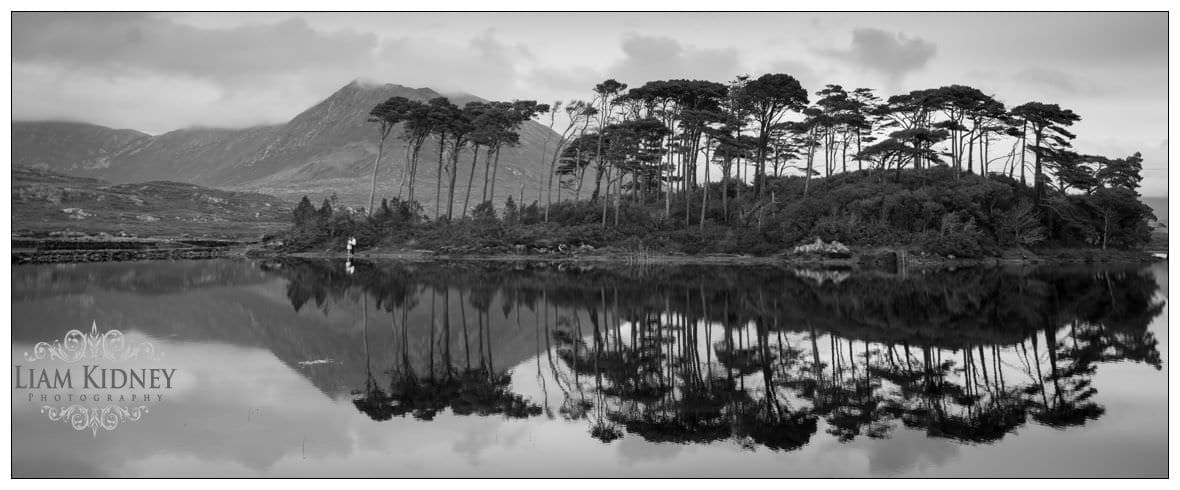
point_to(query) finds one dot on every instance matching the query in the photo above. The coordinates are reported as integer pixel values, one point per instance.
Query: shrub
(484, 211)
(958, 244)
(963, 215)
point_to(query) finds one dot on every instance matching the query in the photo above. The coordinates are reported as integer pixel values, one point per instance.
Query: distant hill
(1159, 205)
(1159, 236)
(44, 201)
(69, 147)
(328, 148)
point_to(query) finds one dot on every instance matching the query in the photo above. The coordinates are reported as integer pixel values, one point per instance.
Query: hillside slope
(44, 202)
(70, 147)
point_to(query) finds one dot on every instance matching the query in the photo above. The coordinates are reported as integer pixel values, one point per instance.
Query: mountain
(69, 147)
(327, 149)
(44, 201)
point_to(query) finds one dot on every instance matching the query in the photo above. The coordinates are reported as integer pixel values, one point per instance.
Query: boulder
(833, 249)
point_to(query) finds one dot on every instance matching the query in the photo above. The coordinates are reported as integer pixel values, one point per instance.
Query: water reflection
(466, 390)
(300, 369)
(763, 357)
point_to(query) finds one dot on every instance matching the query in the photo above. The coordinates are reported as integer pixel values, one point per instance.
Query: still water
(314, 369)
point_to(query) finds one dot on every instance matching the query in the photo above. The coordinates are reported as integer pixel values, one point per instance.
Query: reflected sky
(272, 358)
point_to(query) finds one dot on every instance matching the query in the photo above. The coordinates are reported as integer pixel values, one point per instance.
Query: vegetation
(46, 204)
(923, 169)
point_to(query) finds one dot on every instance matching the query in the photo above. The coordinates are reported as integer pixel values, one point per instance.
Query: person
(348, 267)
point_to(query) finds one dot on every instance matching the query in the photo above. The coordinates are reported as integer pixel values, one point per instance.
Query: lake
(321, 368)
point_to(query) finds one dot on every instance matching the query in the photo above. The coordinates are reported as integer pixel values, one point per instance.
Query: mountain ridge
(326, 149)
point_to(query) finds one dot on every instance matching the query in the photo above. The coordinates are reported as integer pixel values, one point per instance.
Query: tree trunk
(401, 185)
(581, 173)
(598, 172)
(487, 171)
(1038, 183)
(859, 165)
(687, 187)
(604, 118)
(1023, 151)
(705, 189)
(604, 197)
(471, 177)
(971, 155)
(618, 199)
(495, 171)
(828, 154)
(983, 154)
(438, 180)
(454, 173)
(380, 149)
(416, 151)
(844, 153)
(725, 192)
(552, 172)
(810, 163)
(741, 180)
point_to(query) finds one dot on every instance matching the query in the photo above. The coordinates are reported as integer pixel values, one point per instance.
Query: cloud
(483, 65)
(893, 55)
(1056, 80)
(154, 74)
(159, 72)
(663, 58)
(645, 58)
(115, 44)
(572, 80)
(1114, 38)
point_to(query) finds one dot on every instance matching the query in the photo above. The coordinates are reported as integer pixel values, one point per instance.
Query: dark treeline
(751, 165)
(758, 355)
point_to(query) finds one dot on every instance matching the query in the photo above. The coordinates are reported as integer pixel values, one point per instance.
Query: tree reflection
(761, 357)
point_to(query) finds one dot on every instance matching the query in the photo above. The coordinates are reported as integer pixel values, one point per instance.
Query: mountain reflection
(761, 356)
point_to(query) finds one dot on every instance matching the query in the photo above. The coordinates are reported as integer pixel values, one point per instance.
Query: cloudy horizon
(161, 72)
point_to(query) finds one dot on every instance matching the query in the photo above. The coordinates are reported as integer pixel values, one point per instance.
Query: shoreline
(863, 260)
(895, 258)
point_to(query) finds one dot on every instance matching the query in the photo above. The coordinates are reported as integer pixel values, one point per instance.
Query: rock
(76, 213)
(67, 234)
(833, 249)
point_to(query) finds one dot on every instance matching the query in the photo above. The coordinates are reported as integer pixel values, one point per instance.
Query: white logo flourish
(107, 418)
(76, 346)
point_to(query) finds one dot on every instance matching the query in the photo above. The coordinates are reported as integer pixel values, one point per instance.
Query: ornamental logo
(93, 381)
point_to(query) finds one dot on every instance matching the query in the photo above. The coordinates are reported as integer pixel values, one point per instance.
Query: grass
(47, 204)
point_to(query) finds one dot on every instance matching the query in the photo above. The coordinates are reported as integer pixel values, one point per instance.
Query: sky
(161, 72)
